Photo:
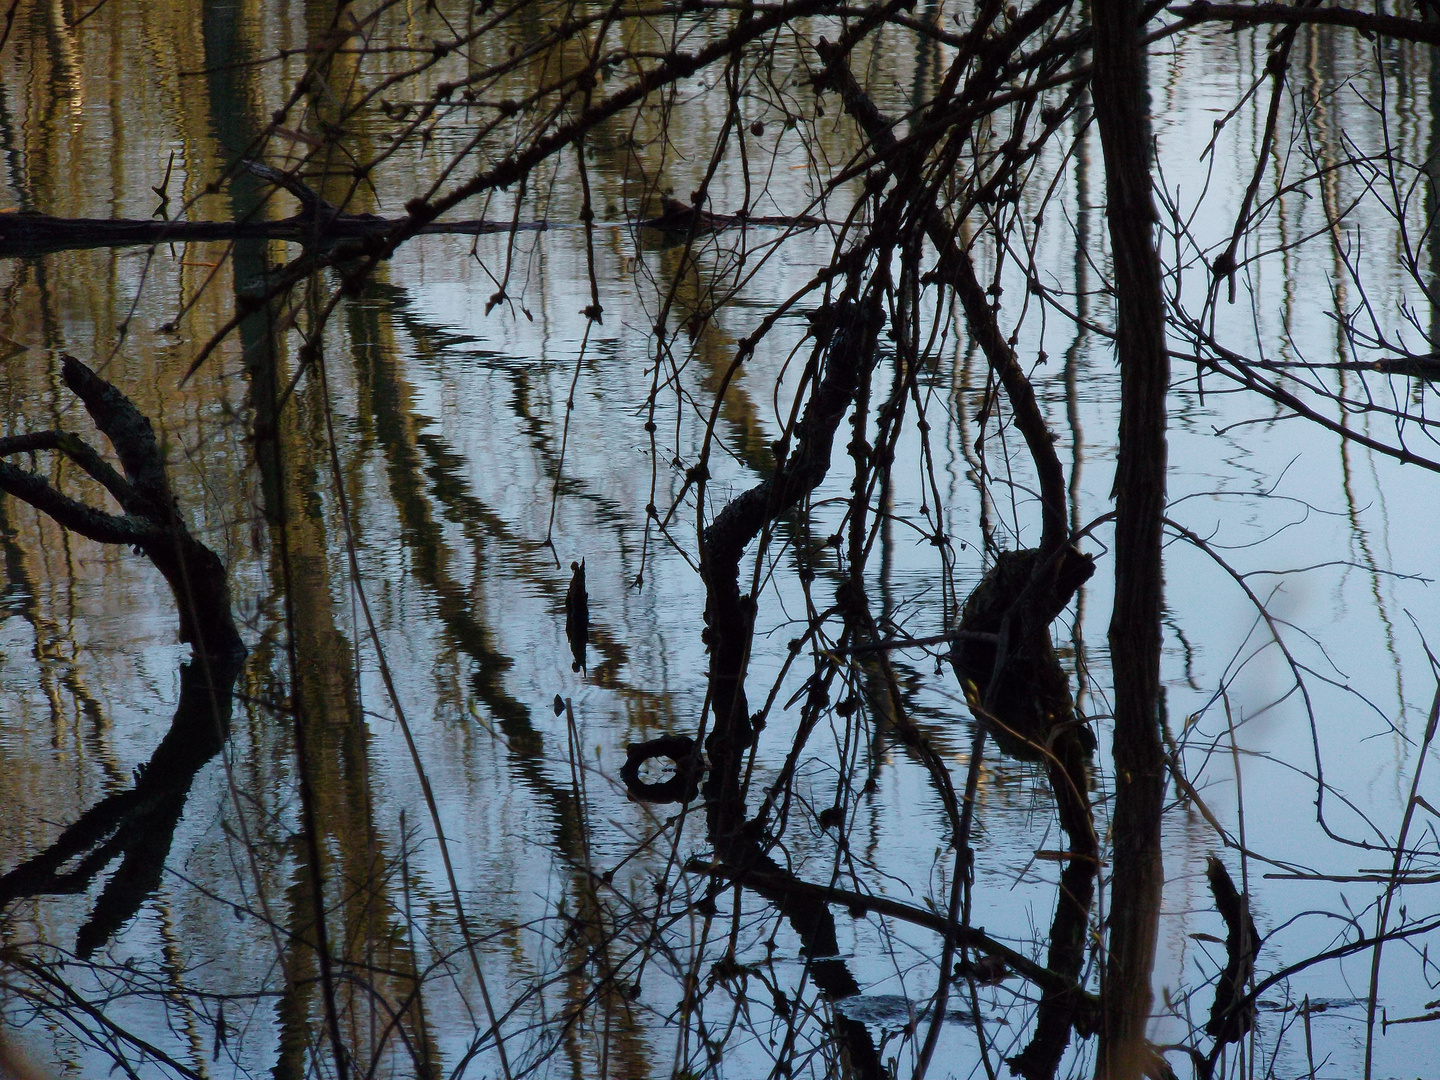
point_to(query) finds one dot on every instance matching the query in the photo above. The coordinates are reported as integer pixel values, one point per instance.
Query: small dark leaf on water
(222, 1032)
(577, 614)
(559, 704)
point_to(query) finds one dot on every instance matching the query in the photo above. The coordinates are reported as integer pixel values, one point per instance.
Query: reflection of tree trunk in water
(1068, 935)
(415, 462)
(1331, 152)
(1120, 100)
(138, 824)
(878, 689)
(336, 744)
(1073, 357)
(338, 738)
(1432, 192)
(231, 113)
(688, 281)
(331, 737)
(420, 459)
(55, 670)
(1056, 1015)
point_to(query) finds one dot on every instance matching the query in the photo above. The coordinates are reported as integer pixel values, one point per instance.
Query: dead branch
(151, 521)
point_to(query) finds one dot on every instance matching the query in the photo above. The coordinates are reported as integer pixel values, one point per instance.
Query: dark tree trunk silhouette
(1122, 112)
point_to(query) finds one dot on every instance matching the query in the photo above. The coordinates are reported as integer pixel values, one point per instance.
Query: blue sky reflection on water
(449, 424)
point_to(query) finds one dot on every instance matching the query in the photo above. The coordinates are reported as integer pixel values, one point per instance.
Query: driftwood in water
(1233, 1014)
(319, 221)
(1014, 682)
(577, 615)
(682, 751)
(1425, 367)
(37, 234)
(40, 234)
(137, 824)
(151, 522)
(678, 218)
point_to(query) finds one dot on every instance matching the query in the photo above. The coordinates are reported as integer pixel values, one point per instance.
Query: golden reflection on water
(445, 432)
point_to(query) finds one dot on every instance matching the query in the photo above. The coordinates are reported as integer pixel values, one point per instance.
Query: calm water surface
(458, 458)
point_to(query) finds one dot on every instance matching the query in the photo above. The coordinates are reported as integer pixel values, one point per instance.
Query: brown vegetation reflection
(638, 558)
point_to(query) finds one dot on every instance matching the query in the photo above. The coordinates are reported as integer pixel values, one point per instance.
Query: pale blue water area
(449, 424)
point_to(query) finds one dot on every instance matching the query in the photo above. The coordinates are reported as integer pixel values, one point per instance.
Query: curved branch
(152, 522)
(74, 515)
(78, 451)
(851, 344)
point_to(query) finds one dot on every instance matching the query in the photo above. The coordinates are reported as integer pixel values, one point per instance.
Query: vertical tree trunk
(1121, 110)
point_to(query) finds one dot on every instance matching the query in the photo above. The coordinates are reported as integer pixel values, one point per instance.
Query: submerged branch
(860, 904)
(847, 346)
(1367, 22)
(151, 523)
(39, 234)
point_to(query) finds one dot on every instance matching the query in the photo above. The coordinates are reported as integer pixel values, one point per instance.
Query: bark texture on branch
(151, 521)
(1122, 114)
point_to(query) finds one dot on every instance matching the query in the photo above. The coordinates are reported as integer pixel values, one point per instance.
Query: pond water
(440, 468)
